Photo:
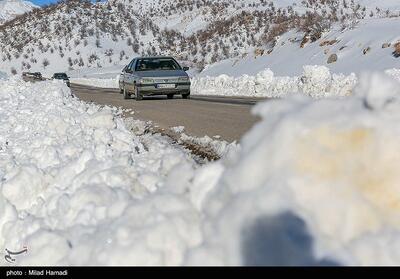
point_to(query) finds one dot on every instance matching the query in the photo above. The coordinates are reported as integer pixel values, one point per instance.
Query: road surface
(230, 118)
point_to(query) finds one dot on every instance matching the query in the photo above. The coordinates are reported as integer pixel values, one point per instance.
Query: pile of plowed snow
(314, 183)
(77, 187)
(316, 81)
(97, 82)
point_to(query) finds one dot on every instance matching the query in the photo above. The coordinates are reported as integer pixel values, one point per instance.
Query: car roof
(155, 57)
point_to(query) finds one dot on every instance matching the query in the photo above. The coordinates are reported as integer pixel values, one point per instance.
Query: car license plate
(164, 86)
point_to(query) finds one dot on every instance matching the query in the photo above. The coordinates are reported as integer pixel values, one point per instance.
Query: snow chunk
(379, 91)
(24, 186)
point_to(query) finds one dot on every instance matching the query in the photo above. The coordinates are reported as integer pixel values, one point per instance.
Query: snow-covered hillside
(79, 35)
(9, 9)
(369, 45)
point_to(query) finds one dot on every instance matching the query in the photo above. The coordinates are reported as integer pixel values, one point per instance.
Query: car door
(121, 77)
(129, 76)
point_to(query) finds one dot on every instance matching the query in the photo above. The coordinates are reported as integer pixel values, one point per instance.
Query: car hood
(177, 73)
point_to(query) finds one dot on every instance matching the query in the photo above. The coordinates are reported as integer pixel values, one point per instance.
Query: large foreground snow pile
(314, 183)
(76, 185)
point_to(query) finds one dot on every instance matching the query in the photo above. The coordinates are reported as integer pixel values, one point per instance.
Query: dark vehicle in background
(158, 75)
(37, 75)
(30, 76)
(63, 77)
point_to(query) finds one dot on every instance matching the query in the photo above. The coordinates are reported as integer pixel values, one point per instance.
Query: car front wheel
(126, 94)
(186, 96)
(138, 95)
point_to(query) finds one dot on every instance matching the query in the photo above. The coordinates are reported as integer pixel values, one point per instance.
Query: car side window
(132, 65)
(128, 67)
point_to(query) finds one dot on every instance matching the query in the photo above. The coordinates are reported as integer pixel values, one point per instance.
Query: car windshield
(60, 76)
(157, 64)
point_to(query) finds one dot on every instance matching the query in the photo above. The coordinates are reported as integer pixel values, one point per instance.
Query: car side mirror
(186, 69)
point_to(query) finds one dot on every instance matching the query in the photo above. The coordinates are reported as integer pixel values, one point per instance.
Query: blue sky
(42, 2)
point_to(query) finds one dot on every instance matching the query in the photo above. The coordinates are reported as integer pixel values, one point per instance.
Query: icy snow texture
(395, 73)
(314, 183)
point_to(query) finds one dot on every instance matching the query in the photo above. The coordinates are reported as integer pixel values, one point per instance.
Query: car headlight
(184, 79)
(146, 80)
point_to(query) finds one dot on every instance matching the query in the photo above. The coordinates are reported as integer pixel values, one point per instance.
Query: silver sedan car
(145, 76)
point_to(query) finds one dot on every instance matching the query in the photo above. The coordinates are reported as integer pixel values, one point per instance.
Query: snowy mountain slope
(76, 35)
(9, 9)
(288, 58)
(190, 16)
(391, 5)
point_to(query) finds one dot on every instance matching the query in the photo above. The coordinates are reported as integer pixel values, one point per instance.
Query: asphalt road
(229, 118)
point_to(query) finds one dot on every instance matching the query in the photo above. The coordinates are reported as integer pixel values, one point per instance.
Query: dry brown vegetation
(396, 52)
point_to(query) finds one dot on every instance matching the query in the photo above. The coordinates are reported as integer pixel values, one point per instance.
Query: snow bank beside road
(316, 82)
(97, 82)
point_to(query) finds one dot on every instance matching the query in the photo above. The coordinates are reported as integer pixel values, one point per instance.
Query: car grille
(166, 80)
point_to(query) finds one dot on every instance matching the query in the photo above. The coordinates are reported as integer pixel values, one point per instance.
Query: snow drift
(316, 81)
(314, 183)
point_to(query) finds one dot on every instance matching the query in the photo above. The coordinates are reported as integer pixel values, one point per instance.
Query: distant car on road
(37, 75)
(30, 76)
(158, 75)
(62, 76)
